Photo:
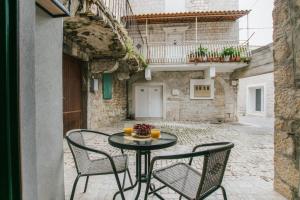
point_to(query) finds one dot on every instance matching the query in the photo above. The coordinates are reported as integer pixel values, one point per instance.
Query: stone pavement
(249, 173)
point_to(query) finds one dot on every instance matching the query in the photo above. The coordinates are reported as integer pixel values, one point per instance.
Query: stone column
(287, 96)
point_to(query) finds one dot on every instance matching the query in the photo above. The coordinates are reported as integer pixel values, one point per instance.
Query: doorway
(256, 104)
(72, 93)
(174, 43)
(149, 101)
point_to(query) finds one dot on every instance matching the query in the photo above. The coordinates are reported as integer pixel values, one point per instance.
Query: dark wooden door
(72, 95)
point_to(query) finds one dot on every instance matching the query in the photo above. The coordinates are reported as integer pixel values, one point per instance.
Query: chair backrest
(76, 143)
(214, 166)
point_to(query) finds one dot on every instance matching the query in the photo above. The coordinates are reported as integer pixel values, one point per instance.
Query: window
(202, 89)
(258, 100)
(255, 102)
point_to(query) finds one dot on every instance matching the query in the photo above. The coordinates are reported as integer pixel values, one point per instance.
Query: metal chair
(86, 166)
(187, 181)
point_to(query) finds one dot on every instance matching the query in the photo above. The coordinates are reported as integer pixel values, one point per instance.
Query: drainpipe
(196, 21)
(127, 100)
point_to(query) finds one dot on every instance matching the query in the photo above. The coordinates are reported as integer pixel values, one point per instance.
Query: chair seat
(103, 165)
(181, 178)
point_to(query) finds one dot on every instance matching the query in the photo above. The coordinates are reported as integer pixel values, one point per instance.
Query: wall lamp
(54, 8)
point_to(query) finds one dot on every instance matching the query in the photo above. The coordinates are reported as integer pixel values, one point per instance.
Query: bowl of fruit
(142, 130)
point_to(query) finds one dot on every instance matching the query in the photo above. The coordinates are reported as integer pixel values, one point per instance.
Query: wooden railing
(194, 52)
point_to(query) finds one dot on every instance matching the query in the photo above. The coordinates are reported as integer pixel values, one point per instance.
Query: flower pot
(192, 60)
(238, 59)
(226, 58)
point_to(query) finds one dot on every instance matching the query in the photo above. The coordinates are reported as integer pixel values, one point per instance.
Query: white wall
(40, 42)
(266, 80)
(48, 97)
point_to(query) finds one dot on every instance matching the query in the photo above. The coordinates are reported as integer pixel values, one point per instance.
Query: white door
(148, 101)
(155, 101)
(174, 50)
(141, 101)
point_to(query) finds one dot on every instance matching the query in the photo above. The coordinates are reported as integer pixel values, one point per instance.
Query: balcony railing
(197, 52)
(121, 10)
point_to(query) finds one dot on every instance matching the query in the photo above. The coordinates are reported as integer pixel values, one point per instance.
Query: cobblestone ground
(249, 174)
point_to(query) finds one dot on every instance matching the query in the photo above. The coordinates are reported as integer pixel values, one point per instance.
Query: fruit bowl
(142, 130)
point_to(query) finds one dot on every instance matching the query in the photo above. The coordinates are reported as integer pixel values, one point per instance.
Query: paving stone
(249, 174)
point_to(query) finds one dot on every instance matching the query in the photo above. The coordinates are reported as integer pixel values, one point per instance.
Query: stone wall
(202, 5)
(147, 6)
(261, 63)
(158, 6)
(286, 17)
(210, 31)
(101, 112)
(266, 80)
(181, 107)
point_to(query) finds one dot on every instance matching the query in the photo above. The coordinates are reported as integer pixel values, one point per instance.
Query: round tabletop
(120, 140)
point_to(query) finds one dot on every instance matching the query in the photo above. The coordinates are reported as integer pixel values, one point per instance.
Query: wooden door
(72, 95)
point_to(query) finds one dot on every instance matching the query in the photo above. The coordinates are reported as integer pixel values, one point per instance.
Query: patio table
(143, 148)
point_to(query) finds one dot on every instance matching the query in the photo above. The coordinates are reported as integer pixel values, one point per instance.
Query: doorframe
(163, 85)
(248, 101)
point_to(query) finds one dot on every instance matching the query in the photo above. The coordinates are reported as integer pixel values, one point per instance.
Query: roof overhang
(181, 17)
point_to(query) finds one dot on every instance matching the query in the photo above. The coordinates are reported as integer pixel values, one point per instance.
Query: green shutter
(107, 86)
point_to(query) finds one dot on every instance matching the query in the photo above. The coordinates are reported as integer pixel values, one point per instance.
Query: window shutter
(107, 86)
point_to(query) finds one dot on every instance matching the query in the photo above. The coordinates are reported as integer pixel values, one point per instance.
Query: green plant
(201, 51)
(237, 52)
(228, 51)
(143, 62)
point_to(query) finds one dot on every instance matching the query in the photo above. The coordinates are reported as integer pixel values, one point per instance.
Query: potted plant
(201, 54)
(192, 57)
(236, 56)
(227, 53)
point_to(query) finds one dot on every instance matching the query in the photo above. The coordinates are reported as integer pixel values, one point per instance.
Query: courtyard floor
(249, 173)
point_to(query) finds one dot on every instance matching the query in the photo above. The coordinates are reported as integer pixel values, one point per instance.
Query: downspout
(127, 99)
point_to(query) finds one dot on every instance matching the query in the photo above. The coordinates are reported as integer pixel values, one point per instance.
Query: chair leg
(224, 193)
(124, 179)
(147, 188)
(74, 187)
(86, 183)
(119, 185)
(129, 176)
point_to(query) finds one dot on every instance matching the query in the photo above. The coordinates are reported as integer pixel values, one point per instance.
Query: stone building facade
(206, 31)
(102, 112)
(286, 37)
(179, 107)
(177, 103)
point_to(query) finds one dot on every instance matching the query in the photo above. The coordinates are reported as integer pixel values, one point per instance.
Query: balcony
(216, 56)
(102, 29)
(200, 52)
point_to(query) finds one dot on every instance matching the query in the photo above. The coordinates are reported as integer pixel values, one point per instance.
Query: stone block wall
(286, 18)
(181, 107)
(207, 31)
(101, 112)
(147, 6)
(202, 5)
(158, 6)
